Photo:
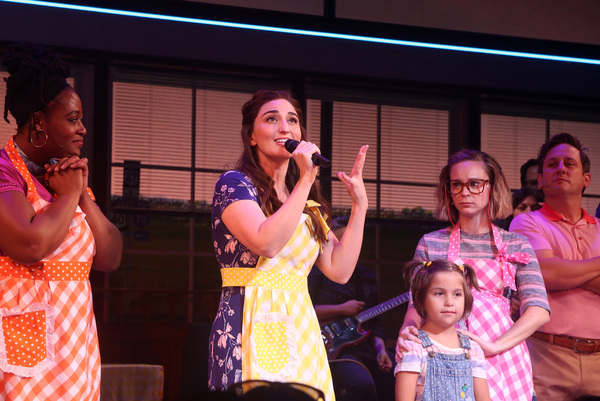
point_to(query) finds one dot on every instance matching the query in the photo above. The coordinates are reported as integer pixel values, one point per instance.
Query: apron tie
(504, 259)
(517, 257)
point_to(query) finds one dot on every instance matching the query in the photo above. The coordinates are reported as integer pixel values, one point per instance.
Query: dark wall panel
(176, 41)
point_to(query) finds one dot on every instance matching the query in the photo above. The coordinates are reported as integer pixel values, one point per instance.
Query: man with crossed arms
(565, 352)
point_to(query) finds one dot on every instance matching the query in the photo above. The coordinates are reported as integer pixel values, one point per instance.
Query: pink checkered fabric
(509, 373)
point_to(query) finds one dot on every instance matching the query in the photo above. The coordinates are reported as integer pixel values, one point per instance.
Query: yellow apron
(281, 337)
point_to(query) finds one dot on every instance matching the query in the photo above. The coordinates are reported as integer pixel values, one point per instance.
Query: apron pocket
(27, 339)
(273, 342)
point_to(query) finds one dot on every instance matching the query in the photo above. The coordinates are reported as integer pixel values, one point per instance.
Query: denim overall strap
(464, 341)
(465, 344)
(425, 340)
(448, 377)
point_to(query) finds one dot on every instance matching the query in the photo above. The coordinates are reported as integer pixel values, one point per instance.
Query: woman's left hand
(489, 348)
(354, 183)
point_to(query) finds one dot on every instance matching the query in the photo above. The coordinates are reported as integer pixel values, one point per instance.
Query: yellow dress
(281, 337)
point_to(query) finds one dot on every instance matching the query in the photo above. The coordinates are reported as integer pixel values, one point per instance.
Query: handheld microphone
(317, 159)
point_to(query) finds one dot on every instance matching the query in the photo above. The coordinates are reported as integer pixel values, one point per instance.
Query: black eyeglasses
(473, 186)
(281, 388)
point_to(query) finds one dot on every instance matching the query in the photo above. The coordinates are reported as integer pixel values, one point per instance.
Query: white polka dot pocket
(27, 339)
(273, 343)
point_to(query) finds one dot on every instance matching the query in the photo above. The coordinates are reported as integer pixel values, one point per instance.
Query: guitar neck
(379, 309)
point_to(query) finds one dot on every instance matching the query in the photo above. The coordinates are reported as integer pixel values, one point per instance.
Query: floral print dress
(280, 336)
(225, 341)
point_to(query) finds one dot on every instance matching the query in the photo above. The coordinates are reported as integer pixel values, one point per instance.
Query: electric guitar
(347, 332)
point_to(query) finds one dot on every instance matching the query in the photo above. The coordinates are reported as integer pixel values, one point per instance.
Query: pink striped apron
(509, 373)
(48, 341)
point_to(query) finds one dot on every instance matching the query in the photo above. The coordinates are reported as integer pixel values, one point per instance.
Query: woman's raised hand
(354, 183)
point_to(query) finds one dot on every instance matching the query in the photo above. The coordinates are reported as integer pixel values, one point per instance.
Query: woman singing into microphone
(269, 227)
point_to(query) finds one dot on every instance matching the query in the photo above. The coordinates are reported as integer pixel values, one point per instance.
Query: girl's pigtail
(413, 267)
(470, 276)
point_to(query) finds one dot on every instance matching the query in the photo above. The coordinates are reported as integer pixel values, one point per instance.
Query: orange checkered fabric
(48, 341)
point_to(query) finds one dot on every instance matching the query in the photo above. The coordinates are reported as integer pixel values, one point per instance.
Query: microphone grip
(317, 159)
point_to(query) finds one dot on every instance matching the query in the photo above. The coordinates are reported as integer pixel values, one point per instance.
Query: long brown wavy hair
(248, 163)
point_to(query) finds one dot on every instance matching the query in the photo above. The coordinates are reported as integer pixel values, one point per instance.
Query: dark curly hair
(36, 76)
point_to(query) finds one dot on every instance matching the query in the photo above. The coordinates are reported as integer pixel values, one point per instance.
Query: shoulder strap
(425, 340)
(426, 343)
(17, 161)
(465, 342)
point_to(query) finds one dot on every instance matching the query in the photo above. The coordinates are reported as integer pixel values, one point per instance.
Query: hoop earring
(45, 142)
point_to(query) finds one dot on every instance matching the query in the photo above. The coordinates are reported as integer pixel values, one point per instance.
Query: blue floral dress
(225, 340)
(266, 327)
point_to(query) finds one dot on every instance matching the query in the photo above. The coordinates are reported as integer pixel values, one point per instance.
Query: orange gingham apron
(509, 373)
(281, 336)
(48, 341)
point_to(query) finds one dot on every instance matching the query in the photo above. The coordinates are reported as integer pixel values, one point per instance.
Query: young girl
(445, 366)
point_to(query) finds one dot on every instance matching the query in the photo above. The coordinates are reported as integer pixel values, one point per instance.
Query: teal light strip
(332, 35)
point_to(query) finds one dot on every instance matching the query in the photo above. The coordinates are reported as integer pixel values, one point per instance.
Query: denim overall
(509, 374)
(448, 377)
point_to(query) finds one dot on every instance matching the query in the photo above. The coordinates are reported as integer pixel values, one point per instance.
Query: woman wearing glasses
(472, 192)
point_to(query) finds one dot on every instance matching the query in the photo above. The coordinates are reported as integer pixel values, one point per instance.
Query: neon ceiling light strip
(332, 35)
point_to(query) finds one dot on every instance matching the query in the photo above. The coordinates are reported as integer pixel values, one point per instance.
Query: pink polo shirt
(575, 311)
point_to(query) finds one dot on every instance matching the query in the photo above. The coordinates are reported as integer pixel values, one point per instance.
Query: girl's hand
(489, 348)
(354, 183)
(408, 333)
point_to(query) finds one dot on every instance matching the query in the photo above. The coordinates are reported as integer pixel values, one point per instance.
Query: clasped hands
(68, 175)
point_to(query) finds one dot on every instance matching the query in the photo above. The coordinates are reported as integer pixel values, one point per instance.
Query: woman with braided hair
(52, 235)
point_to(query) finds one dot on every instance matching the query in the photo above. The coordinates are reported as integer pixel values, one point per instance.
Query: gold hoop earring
(37, 133)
